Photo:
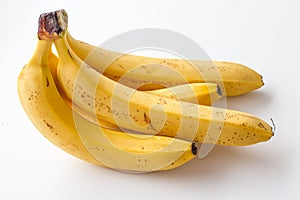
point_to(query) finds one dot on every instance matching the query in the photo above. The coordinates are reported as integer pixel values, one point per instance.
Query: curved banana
(48, 111)
(146, 113)
(199, 93)
(148, 73)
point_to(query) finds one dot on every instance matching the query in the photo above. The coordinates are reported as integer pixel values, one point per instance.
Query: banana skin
(142, 112)
(146, 73)
(77, 136)
(144, 130)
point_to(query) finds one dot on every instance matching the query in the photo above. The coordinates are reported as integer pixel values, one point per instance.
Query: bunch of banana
(101, 107)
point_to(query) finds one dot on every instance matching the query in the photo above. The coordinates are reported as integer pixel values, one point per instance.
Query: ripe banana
(206, 94)
(147, 73)
(146, 113)
(48, 111)
(199, 93)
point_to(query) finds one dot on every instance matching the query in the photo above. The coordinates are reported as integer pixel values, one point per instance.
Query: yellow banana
(147, 73)
(200, 93)
(48, 111)
(146, 113)
(52, 63)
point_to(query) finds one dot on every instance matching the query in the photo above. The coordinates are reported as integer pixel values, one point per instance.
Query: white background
(261, 34)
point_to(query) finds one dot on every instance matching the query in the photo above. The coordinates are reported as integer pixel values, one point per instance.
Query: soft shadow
(221, 165)
(222, 162)
(253, 101)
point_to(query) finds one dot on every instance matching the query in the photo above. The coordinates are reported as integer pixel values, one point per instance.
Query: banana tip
(262, 80)
(194, 149)
(274, 126)
(219, 90)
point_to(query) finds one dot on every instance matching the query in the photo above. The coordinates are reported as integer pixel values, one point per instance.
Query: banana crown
(52, 25)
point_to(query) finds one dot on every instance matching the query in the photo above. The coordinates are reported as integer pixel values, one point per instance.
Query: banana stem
(52, 25)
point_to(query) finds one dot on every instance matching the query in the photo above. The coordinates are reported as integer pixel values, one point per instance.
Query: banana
(48, 111)
(147, 73)
(52, 63)
(200, 93)
(138, 111)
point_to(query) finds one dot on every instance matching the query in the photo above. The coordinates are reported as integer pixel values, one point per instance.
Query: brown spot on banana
(147, 118)
(47, 82)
